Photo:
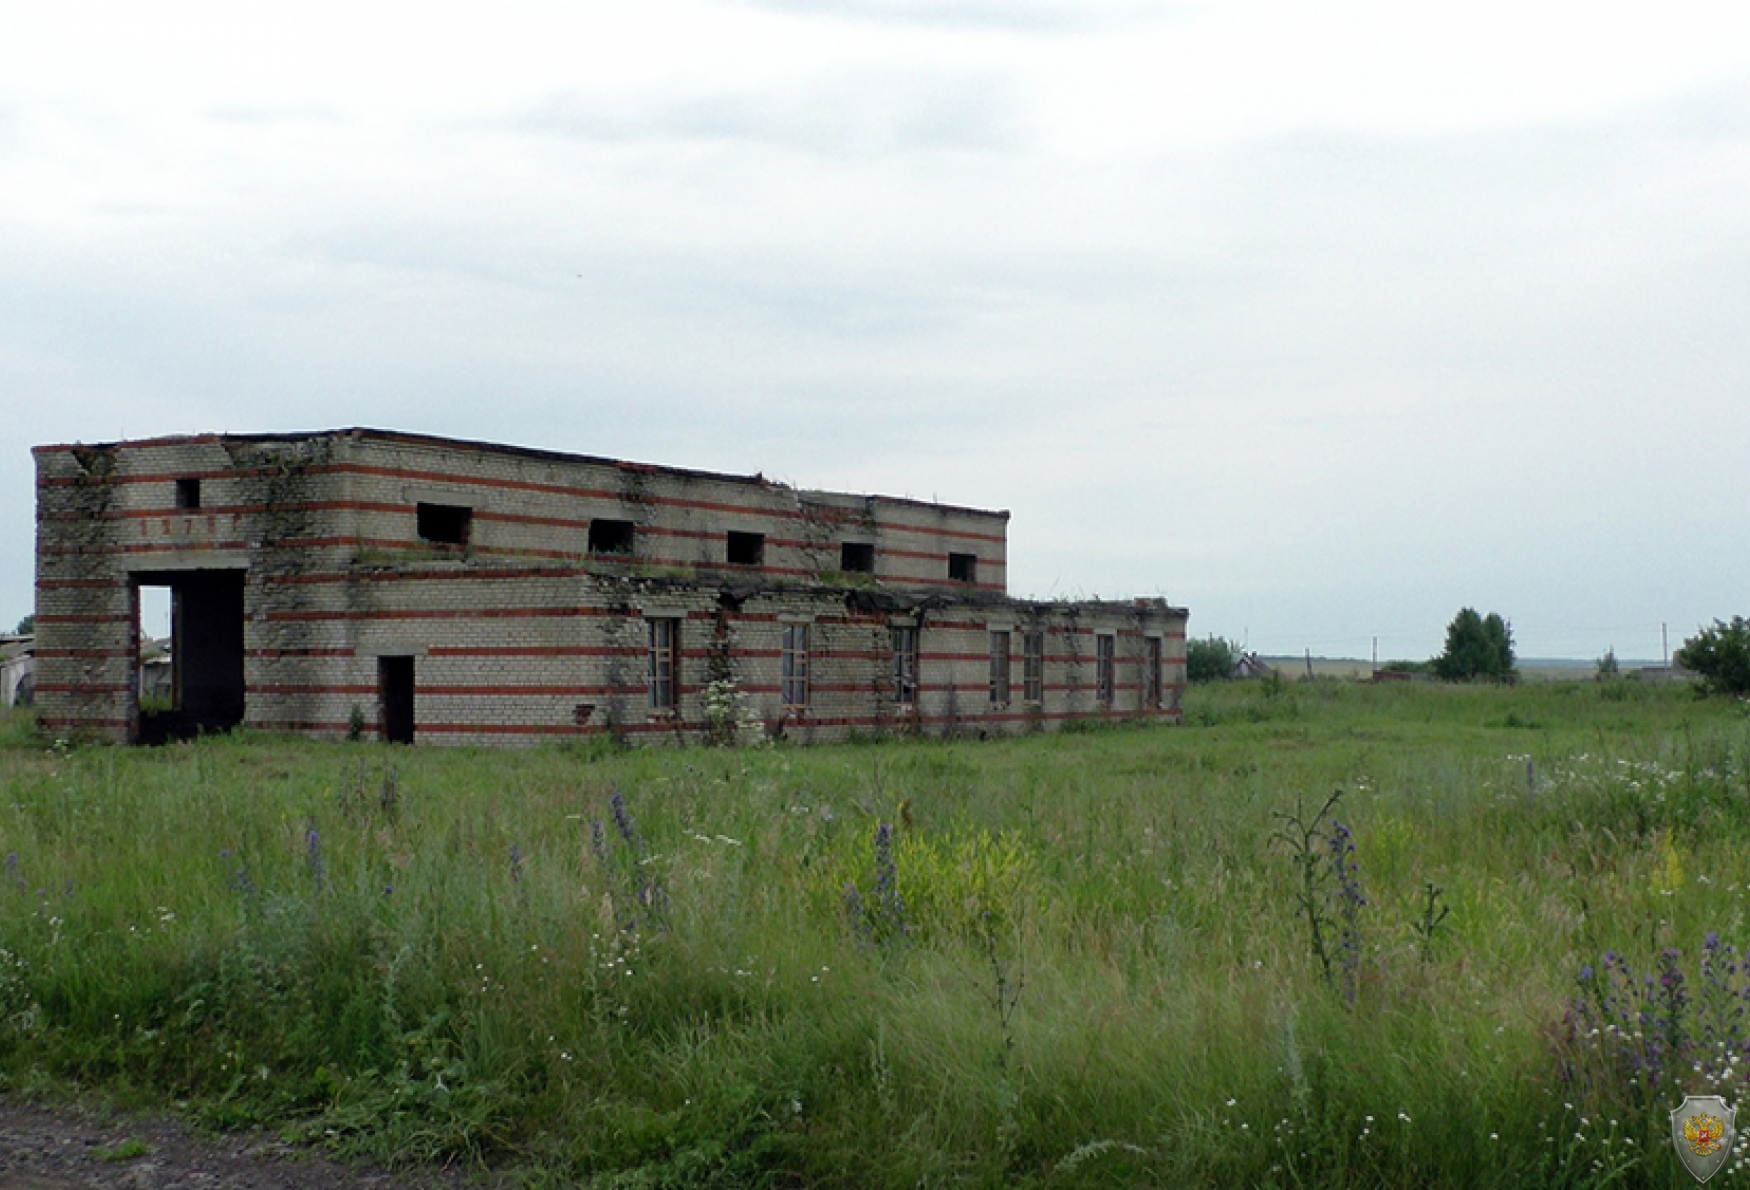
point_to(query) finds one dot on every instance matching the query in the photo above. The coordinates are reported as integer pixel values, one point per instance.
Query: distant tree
(1476, 647)
(26, 626)
(1211, 659)
(1607, 666)
(1721, 655)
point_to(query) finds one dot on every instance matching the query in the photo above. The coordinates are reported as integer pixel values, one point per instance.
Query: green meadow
(1080, 960)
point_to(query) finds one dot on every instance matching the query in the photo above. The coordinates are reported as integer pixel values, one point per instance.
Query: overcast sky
(1323, 320)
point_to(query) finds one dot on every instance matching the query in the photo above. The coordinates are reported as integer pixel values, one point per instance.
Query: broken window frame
(1033, 668)
(664, 672)
(905, 664)
(794, 683)
(999, 668)
(963, 568)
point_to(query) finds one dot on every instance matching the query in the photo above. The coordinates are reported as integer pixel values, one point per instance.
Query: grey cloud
(858, 115)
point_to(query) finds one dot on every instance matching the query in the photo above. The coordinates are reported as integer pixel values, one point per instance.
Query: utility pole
(1664, 646)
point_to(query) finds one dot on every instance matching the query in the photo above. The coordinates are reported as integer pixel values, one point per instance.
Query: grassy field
(1080, 960)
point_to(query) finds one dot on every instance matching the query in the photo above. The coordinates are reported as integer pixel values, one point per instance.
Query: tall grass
(1085, 966)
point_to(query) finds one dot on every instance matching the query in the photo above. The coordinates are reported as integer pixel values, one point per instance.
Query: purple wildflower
(889, 904)
(313, 857)
(630, 879)
(857, 911)
(1346, 869)
(623, 820)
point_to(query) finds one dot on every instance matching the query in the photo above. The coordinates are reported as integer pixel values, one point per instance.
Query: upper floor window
(188, 493)
(665, 664)
(905, 665)
(795, 686)
(444, 524)
(610, 537)
(747, 549)
(1033, 667)
(857, 557)
(963, 568)
(1105, 667)
(999, 669)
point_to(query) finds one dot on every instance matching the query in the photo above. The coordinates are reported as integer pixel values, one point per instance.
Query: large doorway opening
(395, 696)
(192, 684)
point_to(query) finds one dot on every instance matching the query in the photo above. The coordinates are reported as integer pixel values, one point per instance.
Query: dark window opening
(1152, 678)
(999, 669)
(610, 537)
(747, 549)
(963, 568)
(1033, 667)
(857, 557)
(188, 493)
(905, 666)
(444, 524)
(795, 685)
(1105, 668)
(665, 667)
(395, 695)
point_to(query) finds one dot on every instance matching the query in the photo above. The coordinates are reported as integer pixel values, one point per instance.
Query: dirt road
(67, 1148)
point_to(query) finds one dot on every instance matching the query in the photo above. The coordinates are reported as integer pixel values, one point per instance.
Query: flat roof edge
(407, 437)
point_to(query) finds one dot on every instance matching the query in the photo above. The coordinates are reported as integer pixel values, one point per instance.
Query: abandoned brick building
(461, 593)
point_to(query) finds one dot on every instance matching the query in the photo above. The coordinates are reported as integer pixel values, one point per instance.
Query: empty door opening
(395, 694)
(191, 684)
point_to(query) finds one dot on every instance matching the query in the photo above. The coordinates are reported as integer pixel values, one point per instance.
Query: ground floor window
(665, 668)
(905, 665)
(1152, 672)
(999, 669)
(795, 666)
(1033, 667)
(1105, 667)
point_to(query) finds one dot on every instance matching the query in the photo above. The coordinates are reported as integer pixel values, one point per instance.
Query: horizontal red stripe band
(566, 490)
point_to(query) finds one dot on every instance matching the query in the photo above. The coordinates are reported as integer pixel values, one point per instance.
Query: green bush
(1211, 659)
(1476, 647)
(1721, 655)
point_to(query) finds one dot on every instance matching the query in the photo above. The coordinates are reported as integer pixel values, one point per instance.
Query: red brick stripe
(451, 479)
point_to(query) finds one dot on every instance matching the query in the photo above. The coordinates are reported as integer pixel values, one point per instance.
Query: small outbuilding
(17, 670)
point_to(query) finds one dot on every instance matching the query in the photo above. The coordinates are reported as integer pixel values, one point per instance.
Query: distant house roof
(1250, 665)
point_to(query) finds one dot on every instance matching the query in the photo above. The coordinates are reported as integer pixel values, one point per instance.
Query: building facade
(418, 588)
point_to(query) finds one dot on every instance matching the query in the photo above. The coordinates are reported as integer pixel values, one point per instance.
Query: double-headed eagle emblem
(1703, 1134)
(1702, 1129)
